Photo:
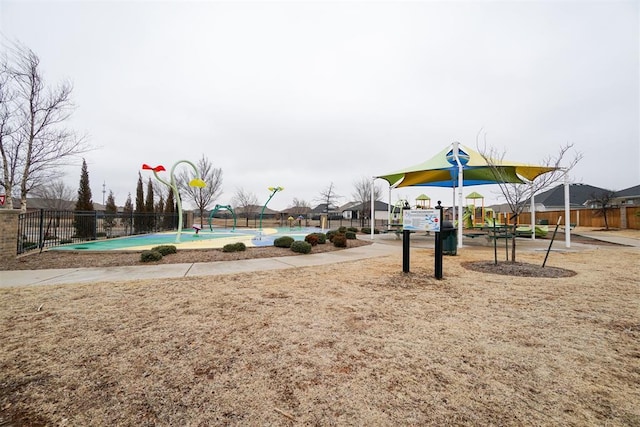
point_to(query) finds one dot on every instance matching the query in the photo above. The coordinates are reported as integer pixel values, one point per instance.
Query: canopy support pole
(460, 187)
(372, 219)
(567, 212)
(533, 213)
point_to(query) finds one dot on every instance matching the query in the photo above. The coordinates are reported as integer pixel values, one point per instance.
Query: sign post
(417, 220)
(438, 248)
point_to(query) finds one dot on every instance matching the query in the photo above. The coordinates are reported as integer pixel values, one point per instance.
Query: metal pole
(456, 156)
(406, 248)
(551, 242)
(533, 214)
(567, 212)
(438, 248)
(372, 221)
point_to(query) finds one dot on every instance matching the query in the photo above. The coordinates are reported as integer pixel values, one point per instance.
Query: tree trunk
(513, 238)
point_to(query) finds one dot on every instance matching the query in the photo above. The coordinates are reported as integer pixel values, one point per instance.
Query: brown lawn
(357, 343)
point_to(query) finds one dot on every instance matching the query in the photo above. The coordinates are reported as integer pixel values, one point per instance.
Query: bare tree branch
(246, 201)
(202, 198)
(38, 144)
(362, 195)
(517, 195)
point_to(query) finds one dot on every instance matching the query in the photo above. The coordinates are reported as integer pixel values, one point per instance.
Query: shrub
(350, 235)
(355, 230)
(342, 229)
(330, 234)
(312, 239)
(65, 241)
(340, 241)
(283, 242)
(301, 247)
(150, 256)
(234, 247)
(101, 234)
(322, 238)
(165, 249)
(367, 230)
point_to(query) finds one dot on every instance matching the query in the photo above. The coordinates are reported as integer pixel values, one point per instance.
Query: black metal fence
(46, 228)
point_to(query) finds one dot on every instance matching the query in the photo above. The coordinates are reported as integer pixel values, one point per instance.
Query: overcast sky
(303, 94)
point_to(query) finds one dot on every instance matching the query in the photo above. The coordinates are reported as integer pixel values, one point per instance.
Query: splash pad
(204, 239)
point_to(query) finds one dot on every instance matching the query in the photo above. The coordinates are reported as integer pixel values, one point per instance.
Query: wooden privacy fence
(620, 217)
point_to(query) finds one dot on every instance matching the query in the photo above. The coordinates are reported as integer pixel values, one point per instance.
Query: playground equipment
(423, 202)
(475, 196)
(216, 209)
(273, 190)
(396, 212)
(196, 182)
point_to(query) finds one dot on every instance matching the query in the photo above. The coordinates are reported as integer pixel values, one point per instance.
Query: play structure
(195, 182)
(273, 190)
(218, 208)
(474, 217)
(396, 211)
(423, 202)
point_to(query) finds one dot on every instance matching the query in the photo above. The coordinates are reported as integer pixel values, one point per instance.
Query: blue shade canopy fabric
(442, 171)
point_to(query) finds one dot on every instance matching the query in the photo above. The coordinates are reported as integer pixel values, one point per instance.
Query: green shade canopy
(474, 195)
(423, 197)
(442, 170)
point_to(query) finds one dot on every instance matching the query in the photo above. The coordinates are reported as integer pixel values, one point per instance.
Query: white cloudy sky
(302, 94)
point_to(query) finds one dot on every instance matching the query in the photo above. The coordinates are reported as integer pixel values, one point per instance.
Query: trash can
(449, 238)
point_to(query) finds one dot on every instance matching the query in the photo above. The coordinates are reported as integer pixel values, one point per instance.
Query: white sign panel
(421, 220)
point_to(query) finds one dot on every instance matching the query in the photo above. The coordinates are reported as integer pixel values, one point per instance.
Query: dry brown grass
(357, 343)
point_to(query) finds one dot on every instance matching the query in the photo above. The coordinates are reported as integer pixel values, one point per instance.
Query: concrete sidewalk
(383, 245)
(167, 271)
(610, 238)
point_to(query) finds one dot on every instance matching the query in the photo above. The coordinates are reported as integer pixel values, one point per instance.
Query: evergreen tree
(84, 220)
(127, 215)
(149, 208)
(138, 218)
(170, 212)
(111, 211)
(159, 212)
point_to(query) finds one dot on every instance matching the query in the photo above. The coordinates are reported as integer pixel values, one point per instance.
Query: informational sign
(421, 220)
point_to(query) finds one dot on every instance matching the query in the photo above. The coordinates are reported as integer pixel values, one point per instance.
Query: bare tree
(202, 197)
(517, 195)
(7, 146)
(56, 195)
(329, 197)
(299, 207)
(362, 195)
(602, 200)
(247, 202)
(39, 144)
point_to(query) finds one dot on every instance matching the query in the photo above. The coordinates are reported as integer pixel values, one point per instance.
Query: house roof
(629, 192)
(322, 208)
(378, 206)
(579, 194)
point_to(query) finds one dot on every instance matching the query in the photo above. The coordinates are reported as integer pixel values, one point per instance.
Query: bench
(473, 235)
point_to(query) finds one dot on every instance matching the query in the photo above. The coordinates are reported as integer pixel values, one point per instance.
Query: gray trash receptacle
(449, 238)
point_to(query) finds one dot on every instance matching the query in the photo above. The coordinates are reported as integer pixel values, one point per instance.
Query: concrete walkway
(610, 238)
(384, 245)
(167, 271)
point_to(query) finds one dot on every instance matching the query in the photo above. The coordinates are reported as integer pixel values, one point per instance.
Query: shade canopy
(474, 196)
(442, 170)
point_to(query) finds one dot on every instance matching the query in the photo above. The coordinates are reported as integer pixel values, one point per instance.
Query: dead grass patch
(357, 343)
